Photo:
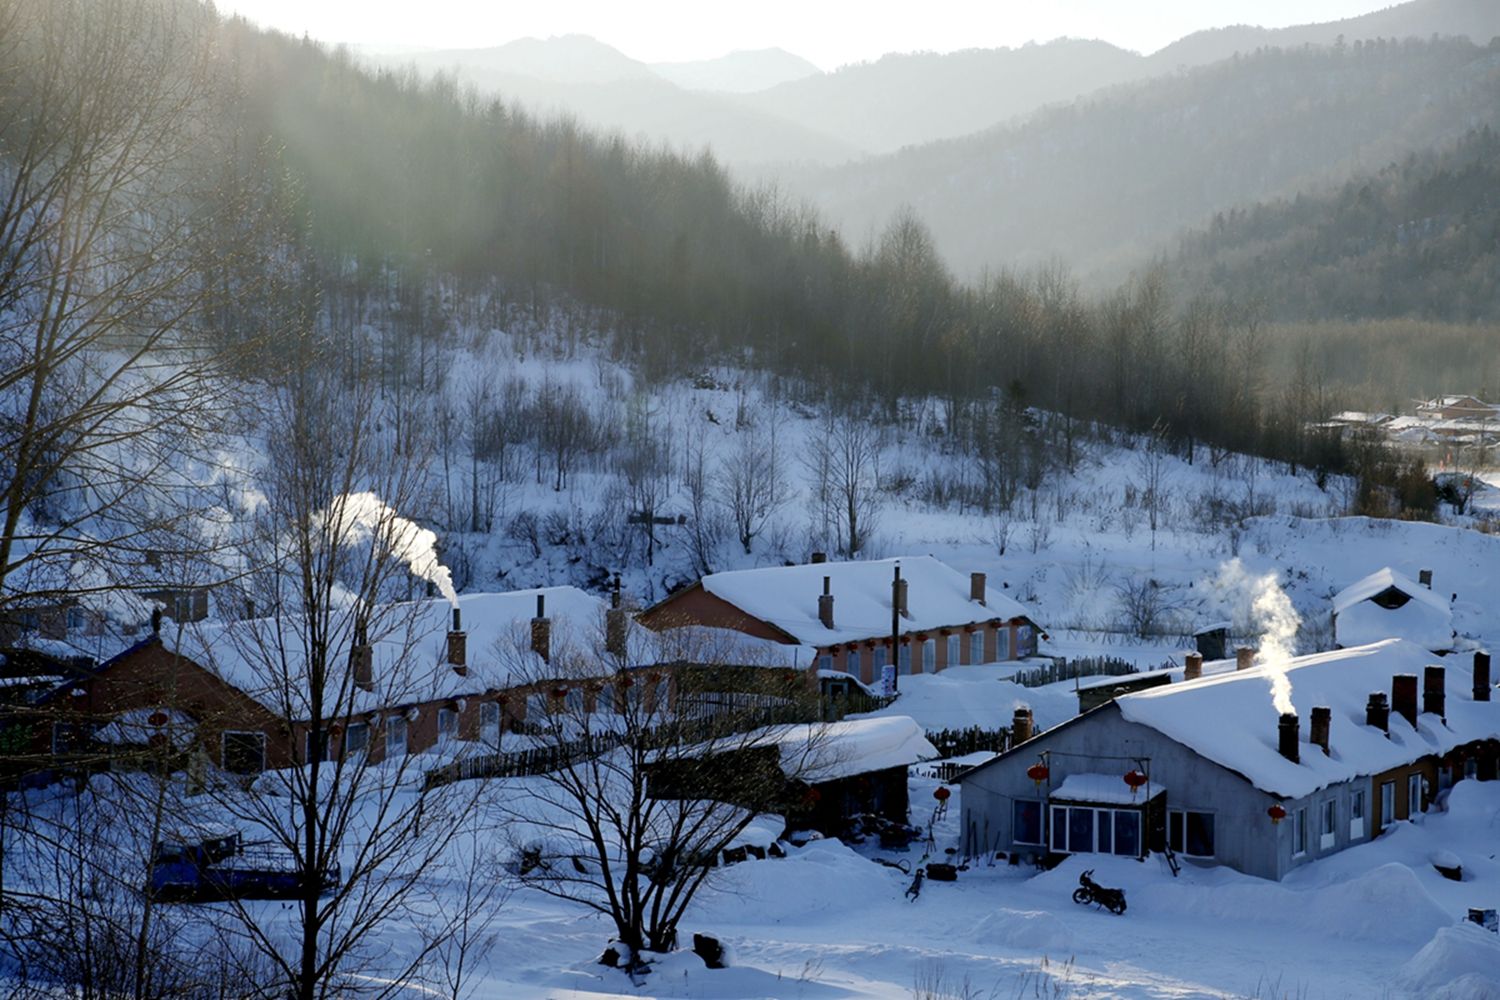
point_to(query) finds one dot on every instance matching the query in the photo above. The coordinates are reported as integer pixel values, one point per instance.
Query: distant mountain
(1477, 20)
(571, 59)
(1105, 182)
(1419, 239)
(741, 72)
(905, 100)
(606, 89)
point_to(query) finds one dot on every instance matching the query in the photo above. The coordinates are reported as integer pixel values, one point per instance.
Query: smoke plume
(1274, 619)
(365, 514)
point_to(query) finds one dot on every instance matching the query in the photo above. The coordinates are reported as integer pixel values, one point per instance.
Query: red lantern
(1037, 772)
(157, 718)
(559, 692)
(941, 794)
(1135, 780)
(1277, 814)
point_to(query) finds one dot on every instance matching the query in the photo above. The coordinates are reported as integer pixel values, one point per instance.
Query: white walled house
(1378, 731)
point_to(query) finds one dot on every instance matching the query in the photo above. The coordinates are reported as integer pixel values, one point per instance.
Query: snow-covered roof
(1382, 580)
(787, 597)
(1416, 621)
(409, 648)
(819, 752)
(826, 751)
(1230, 719)
(1106, 789)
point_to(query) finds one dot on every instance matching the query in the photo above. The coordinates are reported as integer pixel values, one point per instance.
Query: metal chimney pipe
(825, 605)
(458, 620)
(541, 631)
(1192, 666)
(1481, 676)
(1322, 722)
(1286, 736)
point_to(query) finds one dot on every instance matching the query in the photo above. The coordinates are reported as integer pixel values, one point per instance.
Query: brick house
(433, 674)
(841, 614)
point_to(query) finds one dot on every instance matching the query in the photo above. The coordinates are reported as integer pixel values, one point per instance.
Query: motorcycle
(1089, 891)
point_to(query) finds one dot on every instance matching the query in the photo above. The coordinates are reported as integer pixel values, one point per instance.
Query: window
(1471, 767)
(1002, 643)
(604, 701)
(395, 736)
(903, 659)
(953, 647)
(1026, 827)
(1327, 834)
(825, 661)
(929, 656)
(1387, 803)
(243, 753)
(315, 751)
(1357, 814)
(1190, 833)
(356, 738)
(489, 722)
(447, 724)
(1299, 832)
(68, 738)
(851, 662)
(574, 699)
(879, 659)
(1413, 795)
(1025, 641)
(1084, 829)
(537, 710)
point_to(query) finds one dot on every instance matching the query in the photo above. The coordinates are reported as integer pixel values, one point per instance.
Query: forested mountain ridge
(1103, 182)
(1420, 238)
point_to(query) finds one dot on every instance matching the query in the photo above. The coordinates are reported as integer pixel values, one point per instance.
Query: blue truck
(225, 867)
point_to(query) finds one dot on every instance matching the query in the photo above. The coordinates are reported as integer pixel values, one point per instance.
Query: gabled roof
(1230, 719)
(787, 598)
(1382, 580)
(408, 647)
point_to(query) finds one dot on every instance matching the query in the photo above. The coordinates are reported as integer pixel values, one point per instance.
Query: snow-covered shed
(842, 613)
(831, 772)
(1377, 731)
(1390, 605)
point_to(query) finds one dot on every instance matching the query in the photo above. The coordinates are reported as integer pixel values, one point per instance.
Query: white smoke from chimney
(366, 515)
(1274, 619)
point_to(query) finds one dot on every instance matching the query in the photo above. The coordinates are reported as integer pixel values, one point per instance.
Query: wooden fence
(1067, 670)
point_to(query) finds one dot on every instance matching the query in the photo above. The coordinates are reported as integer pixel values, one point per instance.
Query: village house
(844, 617)
(435, 673)
(1457, 407)
(1210, 769)
(1387, 604)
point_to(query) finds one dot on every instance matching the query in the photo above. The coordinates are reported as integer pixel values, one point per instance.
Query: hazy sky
(828, 32)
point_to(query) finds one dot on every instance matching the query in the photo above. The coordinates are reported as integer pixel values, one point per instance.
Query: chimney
(976, 587)
(541, 630)
(1404, 697)
(361, 661)
(1244, 657)
(1378, 712)
(1424, 577)
(458, 646)
(819, 557)
(1481, 676)
(1286, 736)
(825, 606)
(1192, 666)
(1322, 722)
(1434, 698)
(1020, 726)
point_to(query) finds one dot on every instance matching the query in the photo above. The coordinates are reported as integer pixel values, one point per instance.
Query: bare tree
(752, 482)
(705, 527)
(845, 462)
(1151, 465)
(649, 786)
(329, 554)
(104, 371)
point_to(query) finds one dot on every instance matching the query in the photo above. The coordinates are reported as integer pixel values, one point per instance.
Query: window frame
(1387, 803)
(447, 724)
(929, 656)
(1328, 824)
(260, 739)
(347, 746)
(955, 649)
(1177, 832)
(1299, 832)
(392, 725)
(1357, 814)
(1414, 782)
(976, 646)
(851, 662)
(903, 660)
